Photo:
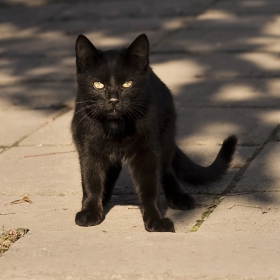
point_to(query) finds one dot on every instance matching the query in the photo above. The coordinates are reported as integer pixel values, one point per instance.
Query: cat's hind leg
(111, 178)
(175, 196)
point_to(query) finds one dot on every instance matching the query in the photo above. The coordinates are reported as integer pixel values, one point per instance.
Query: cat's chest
(118, 149)
(116, 141)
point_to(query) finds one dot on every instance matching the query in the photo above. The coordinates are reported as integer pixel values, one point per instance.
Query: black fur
(136, 124)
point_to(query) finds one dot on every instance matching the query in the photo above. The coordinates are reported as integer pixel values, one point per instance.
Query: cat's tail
(189, 172)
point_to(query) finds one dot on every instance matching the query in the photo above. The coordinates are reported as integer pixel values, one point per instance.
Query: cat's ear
(137, 54)
(86, 53)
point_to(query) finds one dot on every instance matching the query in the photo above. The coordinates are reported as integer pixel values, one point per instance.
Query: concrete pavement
(221, 61)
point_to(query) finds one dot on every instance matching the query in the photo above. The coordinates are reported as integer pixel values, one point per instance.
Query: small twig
(212, 205)
(242, 205)
(200, 205)
(48, 154)
(241, 193)
(7, 213)
(232, 206)
(263, 209)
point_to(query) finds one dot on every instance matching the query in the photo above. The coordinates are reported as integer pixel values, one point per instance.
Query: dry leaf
(24, 199)
(237, 166)
(265, 209)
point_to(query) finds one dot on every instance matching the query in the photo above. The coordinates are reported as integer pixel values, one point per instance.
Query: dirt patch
(9, 237)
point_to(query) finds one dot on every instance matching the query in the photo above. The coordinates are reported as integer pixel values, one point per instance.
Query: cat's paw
(87, 218)
(162, 225)
(181, 202)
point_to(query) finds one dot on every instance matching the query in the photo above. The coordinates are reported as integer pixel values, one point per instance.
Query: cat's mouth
(113, 113)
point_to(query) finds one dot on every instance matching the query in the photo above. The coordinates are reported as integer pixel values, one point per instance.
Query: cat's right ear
(86, 53)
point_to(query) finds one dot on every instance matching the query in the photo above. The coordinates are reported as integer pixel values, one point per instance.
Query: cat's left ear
(137, 53)
(86, 54)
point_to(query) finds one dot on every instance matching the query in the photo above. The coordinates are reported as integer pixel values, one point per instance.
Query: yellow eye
(98, 85)
(127, 84)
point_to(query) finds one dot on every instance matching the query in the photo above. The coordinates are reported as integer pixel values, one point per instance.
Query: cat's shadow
(124, 194)
(130, 200)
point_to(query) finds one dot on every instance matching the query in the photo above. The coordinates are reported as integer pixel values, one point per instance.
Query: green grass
(216, 201)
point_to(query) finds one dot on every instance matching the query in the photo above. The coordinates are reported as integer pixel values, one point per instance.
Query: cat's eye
(98, 85)
(127, 84)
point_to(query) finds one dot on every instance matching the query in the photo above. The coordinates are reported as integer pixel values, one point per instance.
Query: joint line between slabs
(58, 114)
(238, 176)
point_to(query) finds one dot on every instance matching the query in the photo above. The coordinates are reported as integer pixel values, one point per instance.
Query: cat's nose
(113, 101)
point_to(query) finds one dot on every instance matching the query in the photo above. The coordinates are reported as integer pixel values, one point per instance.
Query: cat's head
(113, 84)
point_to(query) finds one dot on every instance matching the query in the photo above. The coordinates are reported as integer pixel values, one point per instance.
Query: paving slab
(34, 41)
(32, 68)
(223, 19)
(219, 79)
(213, 125)
(182, 67)
(254, 203)
(44, 213)
(61, 42)
(240, 92)
(205, 155)
(263, 173)
(256, 212)
(249, 7)
(27, 15)
(113, 33)
(55, 133)
(60, 26)
(142, 256)
(57, 37)
(40, 170)
(213, 40)
(57, 213)
(37, 95)
(137, 9)
(14, 126)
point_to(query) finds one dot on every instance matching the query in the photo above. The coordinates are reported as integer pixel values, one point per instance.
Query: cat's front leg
(93, 177)
(145, 172)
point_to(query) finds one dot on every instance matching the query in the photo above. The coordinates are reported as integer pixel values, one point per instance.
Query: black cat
(125, 113)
